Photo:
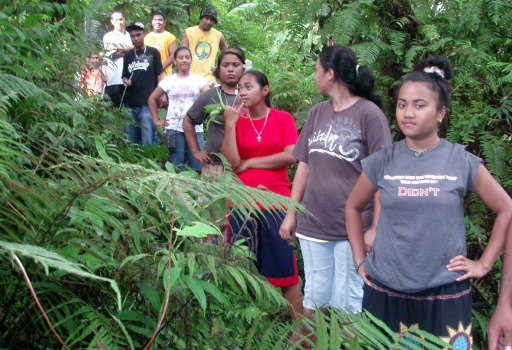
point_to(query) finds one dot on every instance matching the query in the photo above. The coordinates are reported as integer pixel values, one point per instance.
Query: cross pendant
(259, 138)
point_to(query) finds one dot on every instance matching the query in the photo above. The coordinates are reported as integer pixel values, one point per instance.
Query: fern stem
(168, 290)
(39, 306)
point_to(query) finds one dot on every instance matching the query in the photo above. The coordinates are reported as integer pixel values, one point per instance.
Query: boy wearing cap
(162, 40)
(117, 43)
(204, 41)
(142, 70)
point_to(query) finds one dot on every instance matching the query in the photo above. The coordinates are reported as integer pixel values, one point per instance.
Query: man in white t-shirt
(116, 42)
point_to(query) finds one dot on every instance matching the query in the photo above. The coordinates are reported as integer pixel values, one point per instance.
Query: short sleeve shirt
(421, 223)
(198, 115)
(144, 67)
(333, 144)
(115, 66)
(182, 93)
(277, 132)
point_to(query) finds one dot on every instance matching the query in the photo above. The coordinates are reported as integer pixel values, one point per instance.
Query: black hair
(262, 81)
(181, 48)
(233, 50)
(439, 73)
(158, 13)
(343, 62)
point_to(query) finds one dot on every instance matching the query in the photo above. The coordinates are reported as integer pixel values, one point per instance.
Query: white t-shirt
(182, 93)
(115, 66)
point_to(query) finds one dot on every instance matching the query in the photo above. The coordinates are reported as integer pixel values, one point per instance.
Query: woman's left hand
(473, 268)
(243, 166)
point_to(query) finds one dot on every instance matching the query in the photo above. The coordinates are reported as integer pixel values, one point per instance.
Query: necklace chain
(420, 152)
(135, 52)
(258, 137)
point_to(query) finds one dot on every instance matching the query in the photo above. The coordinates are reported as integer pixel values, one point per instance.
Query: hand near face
(231, 115)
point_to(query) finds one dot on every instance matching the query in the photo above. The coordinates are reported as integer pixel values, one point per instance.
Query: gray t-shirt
(215, 126)
(333, 144)
(421, 224)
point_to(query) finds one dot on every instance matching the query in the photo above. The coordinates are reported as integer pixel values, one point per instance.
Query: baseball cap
(135, 26)
(210, 12)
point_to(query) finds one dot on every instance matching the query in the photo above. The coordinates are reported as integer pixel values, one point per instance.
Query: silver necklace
(264, 124)
(135, 52)
(419, 153)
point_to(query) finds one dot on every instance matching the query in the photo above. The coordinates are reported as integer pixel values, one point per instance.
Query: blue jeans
(182, 152)
(143, 130)
(331, 277)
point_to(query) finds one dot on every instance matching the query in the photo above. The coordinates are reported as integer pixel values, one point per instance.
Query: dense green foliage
(108, 239)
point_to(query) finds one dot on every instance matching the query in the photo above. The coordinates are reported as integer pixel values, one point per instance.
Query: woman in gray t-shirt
(417, 273)
(337, 135)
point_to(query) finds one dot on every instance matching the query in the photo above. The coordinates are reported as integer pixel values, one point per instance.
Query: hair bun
(440, 66)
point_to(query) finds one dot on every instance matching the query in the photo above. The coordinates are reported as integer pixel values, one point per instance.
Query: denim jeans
(182, 152)
(143, 130)
(331, 277)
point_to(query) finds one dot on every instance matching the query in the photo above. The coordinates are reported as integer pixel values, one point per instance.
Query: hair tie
(357, 69)
(434, 70)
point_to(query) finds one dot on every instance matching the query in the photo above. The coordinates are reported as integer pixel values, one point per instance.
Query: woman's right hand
(231, 115)
(288, 226)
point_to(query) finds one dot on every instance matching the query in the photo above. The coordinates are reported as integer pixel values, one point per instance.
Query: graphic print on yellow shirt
(161, 42)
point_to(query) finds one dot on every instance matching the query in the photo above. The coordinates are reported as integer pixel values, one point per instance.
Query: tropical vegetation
(99, 244)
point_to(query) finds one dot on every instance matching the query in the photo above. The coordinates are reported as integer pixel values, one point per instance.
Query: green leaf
(151, 294)
(197, 229)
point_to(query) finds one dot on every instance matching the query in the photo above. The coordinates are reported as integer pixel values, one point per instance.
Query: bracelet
(360, 263)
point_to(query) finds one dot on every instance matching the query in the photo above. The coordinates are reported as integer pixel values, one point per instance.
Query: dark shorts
(275, 258)
(444, 311)
(115, 92)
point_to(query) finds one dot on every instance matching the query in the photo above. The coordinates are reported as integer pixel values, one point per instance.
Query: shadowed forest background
(107, 239)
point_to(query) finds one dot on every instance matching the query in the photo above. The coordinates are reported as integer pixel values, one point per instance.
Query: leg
(177, 155)
(347, 292)
(131, 128)
(191, 161)
(294, 296)
(148, 128)
(319, 272)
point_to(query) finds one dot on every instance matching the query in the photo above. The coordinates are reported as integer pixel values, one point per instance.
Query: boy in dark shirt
(142, 70)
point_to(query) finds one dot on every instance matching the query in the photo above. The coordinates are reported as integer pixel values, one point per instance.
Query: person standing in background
(117, 43)
(204, 42)
(162, 40)
(142, 71)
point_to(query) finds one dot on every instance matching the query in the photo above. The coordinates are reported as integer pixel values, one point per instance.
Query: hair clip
(434, 70)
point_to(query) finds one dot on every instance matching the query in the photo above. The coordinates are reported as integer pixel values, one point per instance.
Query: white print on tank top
(340, 139)
(404, 191)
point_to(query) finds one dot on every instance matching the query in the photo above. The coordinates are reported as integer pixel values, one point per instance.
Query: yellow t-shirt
(161, 41)
(204, 47)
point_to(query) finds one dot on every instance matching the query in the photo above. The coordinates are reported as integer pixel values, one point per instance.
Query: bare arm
(369, 236)
(289, 224)
(223, 44)
(153, 106)
(499, 329)
(170, 59)
(191, 137)
(495, 197)
(361, 194)
(273, 161)
(184, 40)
